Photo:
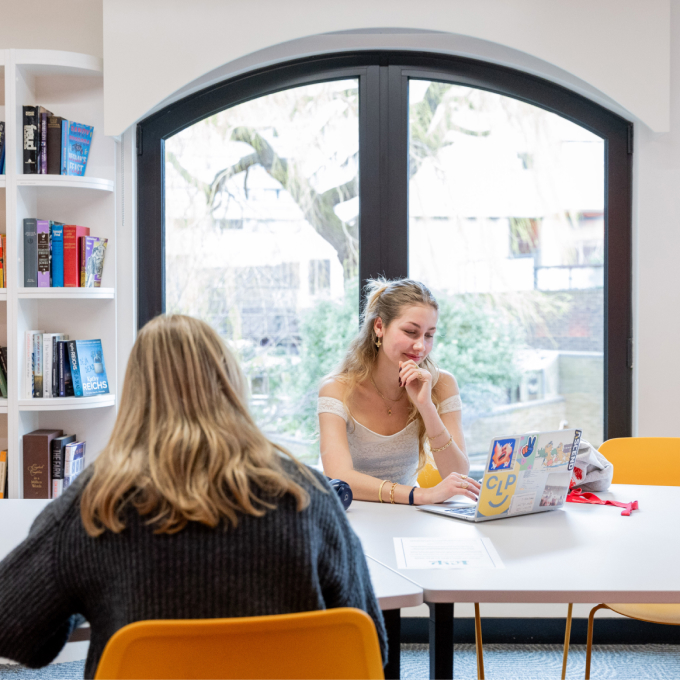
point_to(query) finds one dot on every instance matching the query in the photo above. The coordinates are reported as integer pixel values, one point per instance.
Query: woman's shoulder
(332, 388)
(446, 386)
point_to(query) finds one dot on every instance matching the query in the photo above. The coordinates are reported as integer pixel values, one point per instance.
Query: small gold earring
(377, 344)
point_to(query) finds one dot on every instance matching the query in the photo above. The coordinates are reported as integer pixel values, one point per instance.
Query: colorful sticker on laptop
(527, 451)
(495, 497)
(574, 450)
(502, 455)
(555, 490)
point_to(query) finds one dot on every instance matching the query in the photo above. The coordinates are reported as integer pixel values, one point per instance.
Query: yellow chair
(428, 477)
(654, 461)
(333, 643)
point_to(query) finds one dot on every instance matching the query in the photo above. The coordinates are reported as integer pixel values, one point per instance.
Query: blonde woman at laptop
(388, 398)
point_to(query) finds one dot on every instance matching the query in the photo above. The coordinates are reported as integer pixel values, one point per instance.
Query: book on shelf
(43, 235)
(2, 264)
(37, 462)
(2, 147)
(3, 370)
(88, 372)
(3, 244)
(30, 252)
(31, 139)
(58, 460)
(64, 368)
(50, 364)
(74, 462)
(3, 474)
(92, 252)
(54, 145)
(43, 142)
(57, 249)
(78, 141)
(30, 360)
(38, 365)
(71, 236)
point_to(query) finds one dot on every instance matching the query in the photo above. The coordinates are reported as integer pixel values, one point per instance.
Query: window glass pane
(506, 225)
(261, 238)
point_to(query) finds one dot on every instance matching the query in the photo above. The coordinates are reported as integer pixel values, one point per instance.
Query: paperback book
(74, 462)
(88, 372)
(58, 462)
(93, 250)
(78, 139)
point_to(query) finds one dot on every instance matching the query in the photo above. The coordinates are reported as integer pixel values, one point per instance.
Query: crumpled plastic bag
(592, 471)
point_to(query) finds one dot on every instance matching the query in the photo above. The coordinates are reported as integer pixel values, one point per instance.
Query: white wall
(152, 48)
(70, 25)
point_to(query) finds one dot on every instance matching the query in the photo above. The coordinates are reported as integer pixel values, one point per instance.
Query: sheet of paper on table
(446, 553)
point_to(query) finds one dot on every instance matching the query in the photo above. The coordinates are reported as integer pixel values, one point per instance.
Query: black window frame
(383, 176)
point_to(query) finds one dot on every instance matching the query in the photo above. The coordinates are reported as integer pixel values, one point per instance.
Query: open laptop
(523, 474)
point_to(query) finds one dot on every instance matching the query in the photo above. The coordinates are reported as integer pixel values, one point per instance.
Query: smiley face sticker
(497, 493)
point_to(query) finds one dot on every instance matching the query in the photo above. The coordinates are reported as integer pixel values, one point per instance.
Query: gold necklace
(389, 410)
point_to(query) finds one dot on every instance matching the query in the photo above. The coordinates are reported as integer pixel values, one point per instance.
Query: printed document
(446, 553)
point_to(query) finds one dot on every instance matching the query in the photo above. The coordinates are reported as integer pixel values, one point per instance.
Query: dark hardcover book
(75, 368)
(60, 368)
(43, 143)
(2, 147)
(30, 252)
(54, 145)
(3, 359)
(31, 139)
(44, 253)
(66, 370)
(58, 453)
(38, 463)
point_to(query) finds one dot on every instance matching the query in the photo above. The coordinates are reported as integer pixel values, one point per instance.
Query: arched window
(265, 201)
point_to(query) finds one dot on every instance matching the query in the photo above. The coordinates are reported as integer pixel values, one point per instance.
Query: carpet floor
(501, 662)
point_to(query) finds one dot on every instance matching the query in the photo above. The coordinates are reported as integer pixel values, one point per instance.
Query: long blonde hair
(386, 300)
(184, 446)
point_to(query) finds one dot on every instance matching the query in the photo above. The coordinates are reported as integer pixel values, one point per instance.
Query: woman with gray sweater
(189, 512)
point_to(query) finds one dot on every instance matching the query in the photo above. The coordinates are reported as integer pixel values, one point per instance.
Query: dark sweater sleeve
(36, 615)
(345, 580)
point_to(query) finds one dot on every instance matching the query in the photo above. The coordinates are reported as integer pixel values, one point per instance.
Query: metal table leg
(441, 641)
(393, 627)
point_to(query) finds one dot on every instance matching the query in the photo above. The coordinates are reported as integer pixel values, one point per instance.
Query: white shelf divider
(66, 293)
(67, 403)
(65, 181)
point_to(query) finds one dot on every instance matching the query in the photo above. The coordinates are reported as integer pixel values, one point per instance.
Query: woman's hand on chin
(454, 484)
(418, 383)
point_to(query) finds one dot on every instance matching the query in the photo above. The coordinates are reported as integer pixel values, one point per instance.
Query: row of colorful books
(51, 462)
(60, 255)
(54, 145)
(59, 367)
(4, 491)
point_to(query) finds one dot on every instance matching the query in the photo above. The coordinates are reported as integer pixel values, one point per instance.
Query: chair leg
(478, 643)
(589, 645)
(567, 636)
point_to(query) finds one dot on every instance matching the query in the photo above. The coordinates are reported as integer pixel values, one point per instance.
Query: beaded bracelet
(441, 448)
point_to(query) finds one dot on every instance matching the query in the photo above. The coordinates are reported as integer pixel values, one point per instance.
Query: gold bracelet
(438, 435)
(392, 492)
(441, 448)
(380, 490)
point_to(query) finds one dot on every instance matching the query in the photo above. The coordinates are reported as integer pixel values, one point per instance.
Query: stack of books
(60, 255)
(54, 145)
(59, 367)
(52, 461)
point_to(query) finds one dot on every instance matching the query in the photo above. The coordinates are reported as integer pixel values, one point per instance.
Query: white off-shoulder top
(393, 457)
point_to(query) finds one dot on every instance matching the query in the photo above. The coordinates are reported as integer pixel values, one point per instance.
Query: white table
(582, 553)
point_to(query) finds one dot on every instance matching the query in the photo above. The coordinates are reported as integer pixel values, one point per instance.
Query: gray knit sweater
(286, 561)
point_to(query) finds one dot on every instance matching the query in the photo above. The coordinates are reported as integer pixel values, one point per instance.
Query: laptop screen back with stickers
(527, 473)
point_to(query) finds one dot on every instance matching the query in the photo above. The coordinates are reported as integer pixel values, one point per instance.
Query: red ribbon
(579, 496)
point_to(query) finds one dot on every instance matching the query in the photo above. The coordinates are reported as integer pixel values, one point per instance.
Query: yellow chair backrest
(644, 460)
(429, 476)
(333, 643)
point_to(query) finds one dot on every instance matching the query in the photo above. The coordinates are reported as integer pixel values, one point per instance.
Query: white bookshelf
(69, 85)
